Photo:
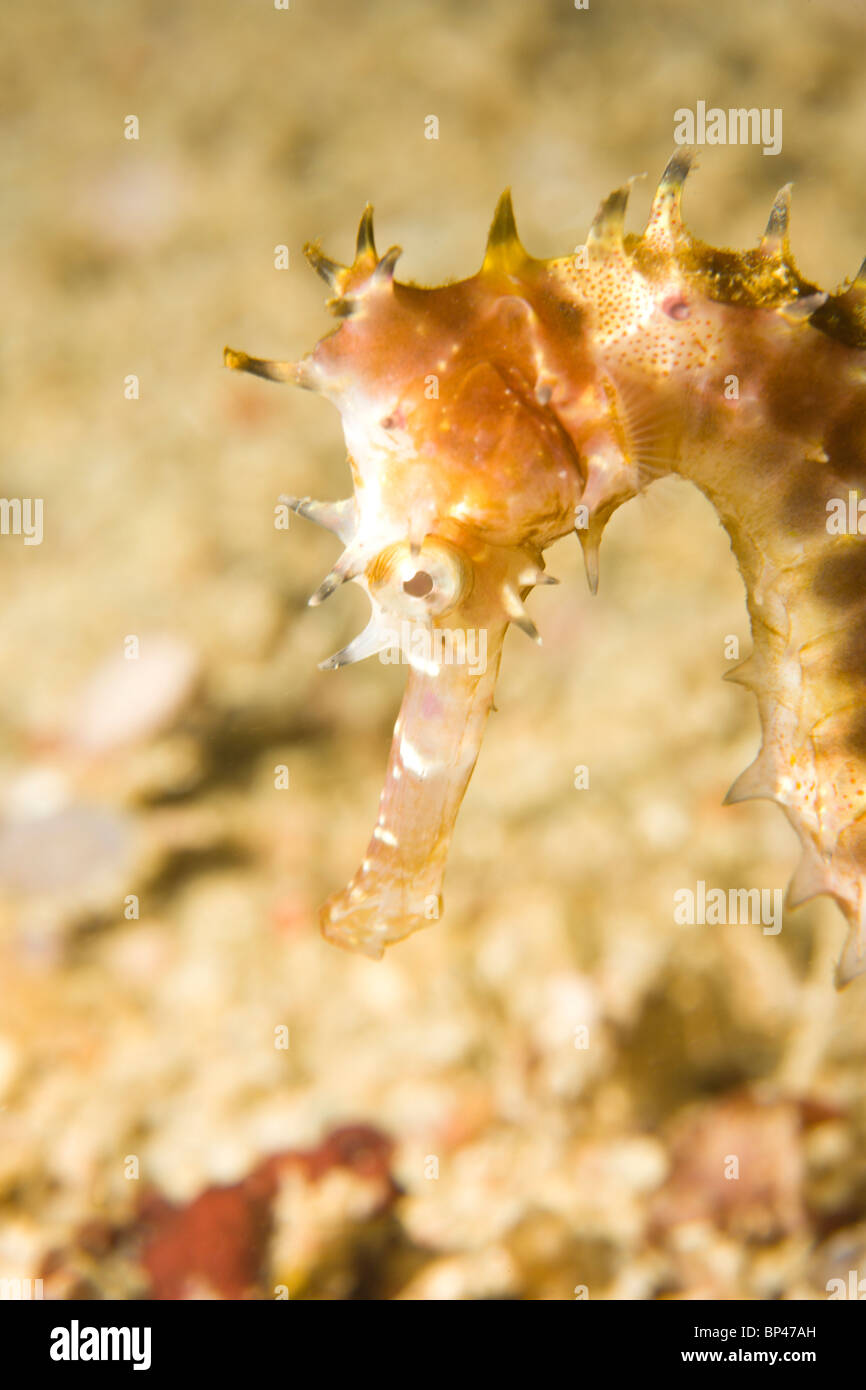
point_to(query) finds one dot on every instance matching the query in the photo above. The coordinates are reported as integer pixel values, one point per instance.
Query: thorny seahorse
(487, 418)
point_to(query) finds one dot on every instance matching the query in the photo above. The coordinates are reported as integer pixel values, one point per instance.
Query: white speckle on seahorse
(412, 760)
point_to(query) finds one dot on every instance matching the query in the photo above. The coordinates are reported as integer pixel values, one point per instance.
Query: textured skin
(487, 418)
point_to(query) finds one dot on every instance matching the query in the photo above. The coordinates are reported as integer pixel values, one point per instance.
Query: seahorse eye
(419, 585)
(427, 584)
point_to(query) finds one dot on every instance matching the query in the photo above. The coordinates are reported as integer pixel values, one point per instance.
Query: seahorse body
(487, 418)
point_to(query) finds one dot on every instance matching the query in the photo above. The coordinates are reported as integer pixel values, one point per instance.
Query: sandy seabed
(542, 1093)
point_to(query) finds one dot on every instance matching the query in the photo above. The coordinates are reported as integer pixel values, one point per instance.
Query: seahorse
(486, 418)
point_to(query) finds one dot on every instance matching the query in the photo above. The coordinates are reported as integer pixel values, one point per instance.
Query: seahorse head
(472, 415)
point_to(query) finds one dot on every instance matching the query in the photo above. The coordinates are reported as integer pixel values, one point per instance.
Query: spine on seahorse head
(487, 418)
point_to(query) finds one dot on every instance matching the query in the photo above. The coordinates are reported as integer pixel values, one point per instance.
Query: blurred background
(538, 1097)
